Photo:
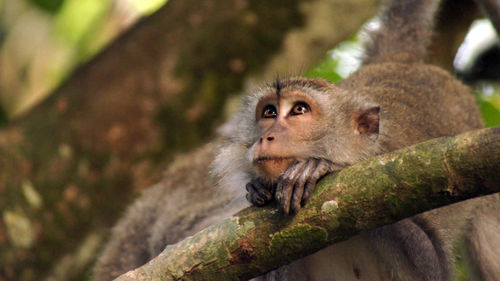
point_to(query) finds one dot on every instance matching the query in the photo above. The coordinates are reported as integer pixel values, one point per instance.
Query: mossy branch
(372, 193)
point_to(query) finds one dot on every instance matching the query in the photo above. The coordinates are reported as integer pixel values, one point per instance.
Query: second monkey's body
(292, 132)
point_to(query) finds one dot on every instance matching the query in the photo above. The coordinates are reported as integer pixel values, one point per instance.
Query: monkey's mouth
(271, 167)
(271, 158)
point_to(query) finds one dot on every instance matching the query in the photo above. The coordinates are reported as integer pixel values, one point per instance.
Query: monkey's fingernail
(259, 201)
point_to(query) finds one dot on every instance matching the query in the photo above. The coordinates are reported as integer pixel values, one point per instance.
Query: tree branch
(372, 193)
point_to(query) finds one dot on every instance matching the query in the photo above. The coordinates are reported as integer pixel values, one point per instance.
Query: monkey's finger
(262, 190)
(300, 185)
(298, 191)
(264, 194)
(250, 196)
(286, 185)
(254, 197)
(284, 195)
(323, 167)
(308, 189)
(249, 187)
(255, 200)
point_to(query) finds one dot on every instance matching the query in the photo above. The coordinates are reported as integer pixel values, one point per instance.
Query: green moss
(288, 241)
(347, 199)
(393, 202)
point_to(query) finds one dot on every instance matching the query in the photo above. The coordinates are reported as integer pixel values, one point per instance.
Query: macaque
(290, 133)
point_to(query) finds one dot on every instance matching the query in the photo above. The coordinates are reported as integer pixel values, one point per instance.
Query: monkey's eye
(269, 112)
(300, 108)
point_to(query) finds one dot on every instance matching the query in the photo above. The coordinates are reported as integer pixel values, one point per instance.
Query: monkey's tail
(404, 34)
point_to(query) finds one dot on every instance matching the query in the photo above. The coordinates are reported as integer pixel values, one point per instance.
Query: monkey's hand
(298, 181)
(260, 192)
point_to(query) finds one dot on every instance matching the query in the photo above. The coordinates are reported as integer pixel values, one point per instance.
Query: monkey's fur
(392, 101)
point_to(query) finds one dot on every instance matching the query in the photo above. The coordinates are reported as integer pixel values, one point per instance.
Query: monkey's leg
(410, 252)
(297, 182)
(484, 240)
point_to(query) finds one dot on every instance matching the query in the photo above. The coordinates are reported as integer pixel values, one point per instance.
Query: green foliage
(326, 69)
(339, 62)
(79, 23)
(147, 7)
(489, 112)
(51, 6)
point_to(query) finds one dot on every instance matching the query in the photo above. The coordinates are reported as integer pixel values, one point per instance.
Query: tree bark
(372, 193)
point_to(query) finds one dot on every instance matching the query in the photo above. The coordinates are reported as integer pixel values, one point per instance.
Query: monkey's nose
(267, 139)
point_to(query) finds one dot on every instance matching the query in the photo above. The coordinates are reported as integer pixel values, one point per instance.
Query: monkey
(290, 133)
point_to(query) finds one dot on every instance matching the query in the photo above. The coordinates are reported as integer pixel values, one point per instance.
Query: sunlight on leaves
(77, 17)
(51, 6)
(489, 101)
(340, 62)
(146, 7)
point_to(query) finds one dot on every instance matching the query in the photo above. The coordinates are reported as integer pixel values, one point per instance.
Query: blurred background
(98, 96)
(43, 40)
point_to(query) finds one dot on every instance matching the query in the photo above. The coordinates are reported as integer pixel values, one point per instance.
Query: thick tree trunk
(372, 193)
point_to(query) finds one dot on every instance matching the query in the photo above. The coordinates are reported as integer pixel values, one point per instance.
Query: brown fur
(392, 101)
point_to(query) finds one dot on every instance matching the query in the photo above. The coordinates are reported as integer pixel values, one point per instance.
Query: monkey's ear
(366, 121)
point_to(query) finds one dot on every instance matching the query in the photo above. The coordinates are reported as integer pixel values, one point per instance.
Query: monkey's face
(288, 122)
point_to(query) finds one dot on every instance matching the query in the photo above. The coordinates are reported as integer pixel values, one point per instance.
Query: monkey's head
(293, 120)
(289, 122)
